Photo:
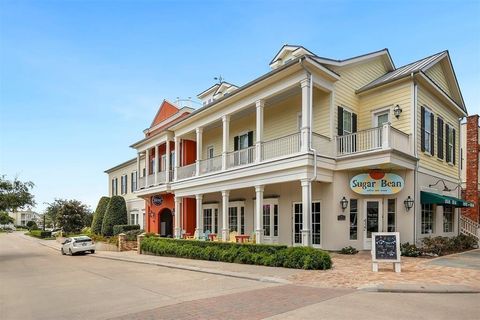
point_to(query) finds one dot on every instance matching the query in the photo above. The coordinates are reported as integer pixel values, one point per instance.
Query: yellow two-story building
(317, 152)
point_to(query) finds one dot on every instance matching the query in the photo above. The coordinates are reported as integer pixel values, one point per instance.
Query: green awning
(433, 198)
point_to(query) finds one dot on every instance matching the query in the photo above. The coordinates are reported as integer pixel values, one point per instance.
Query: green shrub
(409, 250)
(32, 225)
(116, 214)
(444, 245)
(267, 255)
(348, 250)
(99, 214)
(132, 234)
(40, 234)
(124, 228)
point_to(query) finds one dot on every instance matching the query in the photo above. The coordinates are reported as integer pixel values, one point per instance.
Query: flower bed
(266, 255)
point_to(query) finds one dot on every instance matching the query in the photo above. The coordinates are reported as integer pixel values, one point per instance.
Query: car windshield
(83, 239)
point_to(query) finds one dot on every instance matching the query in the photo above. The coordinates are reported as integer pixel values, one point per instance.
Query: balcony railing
(187, 171)
(141, 182)
(211, 165)
(241, 157)
(384, 137)
(280, 147)
(322, 144)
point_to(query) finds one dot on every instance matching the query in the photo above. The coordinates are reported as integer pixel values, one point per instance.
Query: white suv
(77, 244)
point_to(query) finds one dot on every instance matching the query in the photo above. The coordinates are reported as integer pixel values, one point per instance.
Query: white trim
(381, 111)
(322, 238)
(367, 245)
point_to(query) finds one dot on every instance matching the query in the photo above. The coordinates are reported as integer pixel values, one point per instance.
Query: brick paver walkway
(254, 304)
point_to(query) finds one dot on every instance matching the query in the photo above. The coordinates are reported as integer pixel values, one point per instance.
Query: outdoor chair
(232, 236)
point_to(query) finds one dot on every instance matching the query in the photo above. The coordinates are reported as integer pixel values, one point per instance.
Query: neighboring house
(22, 217)
(316, 152)
(470, 132)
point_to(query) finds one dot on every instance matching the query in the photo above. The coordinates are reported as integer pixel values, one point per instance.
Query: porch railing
(241, 157)
(470, 227)
(187, 171)
(399, 140)
(141, 183)
(150, 180)
(322, 144)
(161, 177)
(280, 147)
(211, 165)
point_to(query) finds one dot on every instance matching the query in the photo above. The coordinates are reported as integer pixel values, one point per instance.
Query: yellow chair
(251, 240)
(232, 236)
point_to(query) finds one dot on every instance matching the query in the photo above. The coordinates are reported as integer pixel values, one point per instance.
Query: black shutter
(235, 143)
(126, 183)
(447, 133)
(250, 138)
(340, 121)
(440, 138)
(422, 128)
(116, 186)
(131, 182)
(432, 135)
(354, 122)
(454, 145)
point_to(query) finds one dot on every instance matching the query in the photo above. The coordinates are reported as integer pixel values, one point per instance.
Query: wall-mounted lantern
(397, 111)
(408, 203)
(344, 203)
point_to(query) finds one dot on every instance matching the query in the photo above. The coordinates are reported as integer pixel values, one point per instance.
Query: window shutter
(447, 132)
(440, 138)
(354, 122)
(250, 138)
(432, 135)
(235, 143)
(454, 145)
(340, 121)
(422, 128)
(126, 183)
(131, 182)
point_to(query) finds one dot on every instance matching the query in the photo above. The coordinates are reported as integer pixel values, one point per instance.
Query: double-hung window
(450, 144)
(428, 219)
(427, 131)
(114, 186)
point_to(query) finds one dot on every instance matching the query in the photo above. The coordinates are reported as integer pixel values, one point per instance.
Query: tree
(71, 215)
(99, 214)
(32, 225)
(116, 214)
(52, 212)
(15, 194)
(5, 218)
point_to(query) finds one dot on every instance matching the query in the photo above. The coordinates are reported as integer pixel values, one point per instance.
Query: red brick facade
(472, 148)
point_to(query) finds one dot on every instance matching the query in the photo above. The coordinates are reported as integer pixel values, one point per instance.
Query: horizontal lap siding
(321, 112)
(438, 76)
(353, 78)
(388, 97)
(427, 99)
(241, 126)
(212, 137)
(280, 119)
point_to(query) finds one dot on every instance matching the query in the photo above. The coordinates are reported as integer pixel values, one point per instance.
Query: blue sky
(80, 80)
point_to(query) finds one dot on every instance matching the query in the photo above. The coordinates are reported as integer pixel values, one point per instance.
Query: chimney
(471, 187)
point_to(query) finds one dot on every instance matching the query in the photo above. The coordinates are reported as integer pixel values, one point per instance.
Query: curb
(237, 275)
(439, 289)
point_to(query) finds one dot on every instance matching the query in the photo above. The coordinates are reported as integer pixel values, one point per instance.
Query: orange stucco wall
(188, 217)
(189, 151)
(153, 222)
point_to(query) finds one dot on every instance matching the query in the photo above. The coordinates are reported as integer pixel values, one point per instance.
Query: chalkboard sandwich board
(386, 248)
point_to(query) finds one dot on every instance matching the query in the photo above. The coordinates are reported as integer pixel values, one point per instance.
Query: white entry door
(372, 221)
(270, 220)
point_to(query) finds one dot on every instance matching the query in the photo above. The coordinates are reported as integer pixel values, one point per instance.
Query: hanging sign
(377, 182)
(157, 200)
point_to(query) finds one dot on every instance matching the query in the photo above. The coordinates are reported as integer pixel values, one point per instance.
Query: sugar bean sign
(386, 248)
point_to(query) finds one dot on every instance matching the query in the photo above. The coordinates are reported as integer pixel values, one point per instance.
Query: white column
(147, 166)
(155, 165)
(386, 136)
(226, 140)
(178, 215)
(225, 233)
(306, 211)
(258, 144)
(306, 105)
(259, 214)
(167, 165)
(138, 169)
(177, 157)
(199, 132)
(199, 217)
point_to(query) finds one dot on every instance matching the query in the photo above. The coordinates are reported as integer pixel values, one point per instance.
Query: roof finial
(219, 79)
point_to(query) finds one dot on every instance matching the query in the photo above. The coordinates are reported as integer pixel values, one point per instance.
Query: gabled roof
(166, 110)
(224, 84)
(419, 66)
(289, 47)
(209, 90)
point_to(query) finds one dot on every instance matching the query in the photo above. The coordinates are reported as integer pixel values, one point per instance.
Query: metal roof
(404, 71)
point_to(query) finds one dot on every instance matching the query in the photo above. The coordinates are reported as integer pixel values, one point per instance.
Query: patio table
(241, 238)
(212, 236)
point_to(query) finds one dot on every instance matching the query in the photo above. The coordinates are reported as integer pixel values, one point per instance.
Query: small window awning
(433, 198)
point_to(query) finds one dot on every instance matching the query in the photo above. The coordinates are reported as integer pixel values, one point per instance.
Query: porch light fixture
(408, 203)
(397, 110)
(344, 203)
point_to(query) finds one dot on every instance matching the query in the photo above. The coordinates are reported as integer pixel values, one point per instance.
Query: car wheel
(92, 251)
(63, 252)
(70, 251)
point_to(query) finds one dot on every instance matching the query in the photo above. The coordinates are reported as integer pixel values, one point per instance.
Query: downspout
(415, 153)
(310, 148)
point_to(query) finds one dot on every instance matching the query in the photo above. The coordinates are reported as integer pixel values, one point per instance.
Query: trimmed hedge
(267, 255)
(122, 228)
(40, 234)
(116, 214)
(99, 214)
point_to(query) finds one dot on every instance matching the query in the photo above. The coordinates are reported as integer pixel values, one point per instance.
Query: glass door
(372, 221)
(298, 224)
(270, 220)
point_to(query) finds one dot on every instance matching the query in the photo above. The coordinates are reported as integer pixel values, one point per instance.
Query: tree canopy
(15, 194)
(70, 215)
(116, 214)
(5, 218)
